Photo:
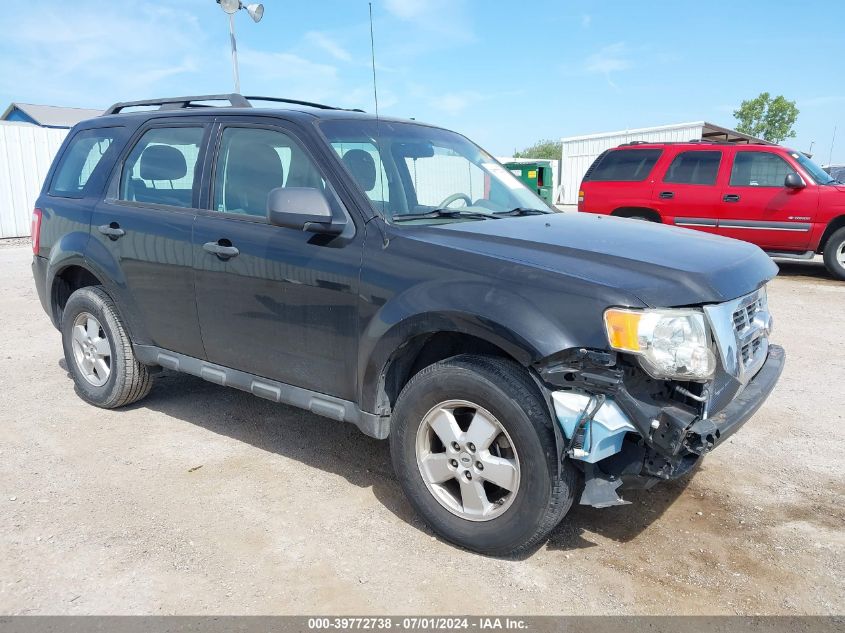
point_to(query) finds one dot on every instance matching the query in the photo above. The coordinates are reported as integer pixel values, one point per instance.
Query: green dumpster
(537, 176)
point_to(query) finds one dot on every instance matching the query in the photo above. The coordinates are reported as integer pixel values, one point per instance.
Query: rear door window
(79, 161)
(759, 169)
(161, 167)
(694, 168)
(628, 165)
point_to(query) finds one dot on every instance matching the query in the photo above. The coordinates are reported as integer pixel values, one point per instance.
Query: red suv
(774, 197)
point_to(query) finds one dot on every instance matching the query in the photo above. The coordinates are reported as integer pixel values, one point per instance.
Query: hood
(663, 266)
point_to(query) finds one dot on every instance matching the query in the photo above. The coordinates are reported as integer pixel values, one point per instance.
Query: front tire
(474, 449)
(834, 254)
(98, 352)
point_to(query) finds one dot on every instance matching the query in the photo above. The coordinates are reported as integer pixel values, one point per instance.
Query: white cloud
(821, 101)
(408, 9)
(455, 102)
(610, 59)
(93, 55)
(445, 18)
(586, 20)
(296, 76)
(323, 41)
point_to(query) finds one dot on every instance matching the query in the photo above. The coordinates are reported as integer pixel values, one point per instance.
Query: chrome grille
(744, 317)
(741, 330)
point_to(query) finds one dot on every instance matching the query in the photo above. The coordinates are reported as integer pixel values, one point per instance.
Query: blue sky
(504, 73)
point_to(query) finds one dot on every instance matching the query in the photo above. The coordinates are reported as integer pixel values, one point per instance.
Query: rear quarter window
(624, 165)
(82, 156)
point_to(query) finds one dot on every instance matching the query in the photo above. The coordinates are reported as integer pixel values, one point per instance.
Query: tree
(767, 118)
(546, 149)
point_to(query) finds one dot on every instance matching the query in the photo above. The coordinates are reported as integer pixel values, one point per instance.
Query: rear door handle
(223, 251)
(666, 195)
(113, 230)
(731, 197)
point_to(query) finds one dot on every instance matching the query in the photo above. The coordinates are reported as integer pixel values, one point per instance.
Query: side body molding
(318, 403)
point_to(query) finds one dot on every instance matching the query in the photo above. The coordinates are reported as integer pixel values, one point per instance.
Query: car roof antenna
(375, 98)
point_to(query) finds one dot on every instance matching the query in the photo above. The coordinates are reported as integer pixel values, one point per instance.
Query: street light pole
(234, 53)
(231, 7)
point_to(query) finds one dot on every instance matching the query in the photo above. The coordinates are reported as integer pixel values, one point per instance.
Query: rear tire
(642, 215)
(834, 254)
(522, 455)
(98, 352)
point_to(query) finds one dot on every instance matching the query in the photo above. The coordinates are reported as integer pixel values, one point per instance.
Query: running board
(791, 255)
(327, 406)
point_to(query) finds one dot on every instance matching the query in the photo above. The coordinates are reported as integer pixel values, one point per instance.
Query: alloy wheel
(91, 349)
(467, 460)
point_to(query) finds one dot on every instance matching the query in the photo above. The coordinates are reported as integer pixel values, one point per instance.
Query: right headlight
(671, 343)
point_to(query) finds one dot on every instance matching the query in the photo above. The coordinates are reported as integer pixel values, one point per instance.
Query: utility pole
(231, 7)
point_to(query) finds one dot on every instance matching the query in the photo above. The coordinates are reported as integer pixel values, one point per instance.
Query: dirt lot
(205, 500)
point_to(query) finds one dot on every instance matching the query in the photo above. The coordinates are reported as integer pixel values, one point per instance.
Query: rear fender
(67, 251)
(103, 264)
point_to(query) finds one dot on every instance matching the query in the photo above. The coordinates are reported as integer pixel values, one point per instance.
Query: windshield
(819, 175)
(409, 170)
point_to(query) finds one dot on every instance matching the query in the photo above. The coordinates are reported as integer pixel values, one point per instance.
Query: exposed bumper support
(705, 435)
(604, 433)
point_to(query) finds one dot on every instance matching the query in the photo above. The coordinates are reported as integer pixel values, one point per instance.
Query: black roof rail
(235, 101)
(309, 104)
(704, 141)
(178, 103)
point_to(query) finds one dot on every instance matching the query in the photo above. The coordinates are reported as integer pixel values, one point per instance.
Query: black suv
(394, 275)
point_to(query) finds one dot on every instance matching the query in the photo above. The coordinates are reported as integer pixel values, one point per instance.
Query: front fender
(498, 316)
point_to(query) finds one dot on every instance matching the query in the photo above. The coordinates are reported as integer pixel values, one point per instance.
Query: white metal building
(579, 152)
(26, 152)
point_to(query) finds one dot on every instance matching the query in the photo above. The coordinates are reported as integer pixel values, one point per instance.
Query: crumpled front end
(625, 428)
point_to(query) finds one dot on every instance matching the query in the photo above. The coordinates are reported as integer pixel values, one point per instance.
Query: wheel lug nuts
(453, 463)
(456, 446)
(479, 465)
(471, 447)
(468, 474)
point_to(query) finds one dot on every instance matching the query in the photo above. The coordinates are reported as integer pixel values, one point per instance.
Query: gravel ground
(206, 500)
(14, 242)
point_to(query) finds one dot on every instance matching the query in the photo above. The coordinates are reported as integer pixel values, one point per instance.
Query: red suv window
(759, 169)
(626, 165)
(694, 168)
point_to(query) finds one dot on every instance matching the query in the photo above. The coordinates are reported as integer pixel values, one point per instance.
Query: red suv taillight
(36, 231)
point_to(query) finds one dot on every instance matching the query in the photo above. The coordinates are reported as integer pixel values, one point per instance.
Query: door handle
(666, 195)
(113, 230)
(223, 251)
(731, 197)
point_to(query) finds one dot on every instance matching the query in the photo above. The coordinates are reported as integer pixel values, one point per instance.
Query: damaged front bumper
(622, 440)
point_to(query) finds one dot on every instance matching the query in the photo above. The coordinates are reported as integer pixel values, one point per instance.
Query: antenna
(832, 141)
(373, 56)
(379, 172)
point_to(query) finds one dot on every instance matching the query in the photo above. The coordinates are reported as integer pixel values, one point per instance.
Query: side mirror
(302, 208)
(794, 181)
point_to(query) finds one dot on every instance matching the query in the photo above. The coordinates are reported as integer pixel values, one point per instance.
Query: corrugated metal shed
(48, 115)
(579, 152)
(26, 152)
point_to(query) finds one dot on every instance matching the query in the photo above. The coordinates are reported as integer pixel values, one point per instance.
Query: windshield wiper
(444, 213)
(522, 211)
